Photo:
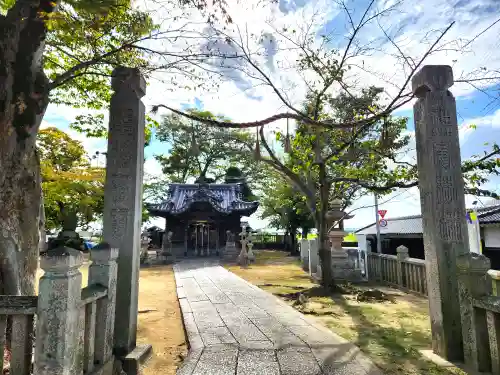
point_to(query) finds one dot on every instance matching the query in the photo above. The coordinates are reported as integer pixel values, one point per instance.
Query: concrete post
(304, 254)
(402, 254)
(474, 282)
(123, 198)
(103, 271)
(58, 314)
(442, 201)
(313, 256)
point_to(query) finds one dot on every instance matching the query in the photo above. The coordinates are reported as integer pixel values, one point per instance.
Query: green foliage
(155, 189)
(6, 5)
(58, 150)
(199, 152)
(233, 173)
(94, 37)
(93, 126)
(479, 169)
(85, 41)
(284, 205)
(70, 185)
(366, 154)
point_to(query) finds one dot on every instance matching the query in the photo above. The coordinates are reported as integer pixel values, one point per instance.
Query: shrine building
(199, 216)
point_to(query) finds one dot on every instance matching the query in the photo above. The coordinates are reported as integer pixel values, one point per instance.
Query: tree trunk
(24, 92)
(286, 241)
(324, 251)
(293, 240)
(19, 220)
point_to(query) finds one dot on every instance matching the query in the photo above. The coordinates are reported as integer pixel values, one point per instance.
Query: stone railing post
(58, 314)
(474, 282)
(493, 322)
(441, 186)
(495, 282)
(103, 271)
(402, 254)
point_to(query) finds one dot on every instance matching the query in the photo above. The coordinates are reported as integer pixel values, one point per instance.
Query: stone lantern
(343, 267)
(243, 257)
(336, 215)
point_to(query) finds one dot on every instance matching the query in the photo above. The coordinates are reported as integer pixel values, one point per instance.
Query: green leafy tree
(73, 190)
(367, 156)
(201, 153)
(155, 188)
(319, 159)
(285, 207)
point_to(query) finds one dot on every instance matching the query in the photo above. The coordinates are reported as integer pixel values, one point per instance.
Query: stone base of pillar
(347, 275)
(342, 269)
(133, 361)
(230, 252)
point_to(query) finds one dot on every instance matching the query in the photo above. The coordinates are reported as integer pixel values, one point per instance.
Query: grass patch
(159, 320)
(391, 332)
(266, 256)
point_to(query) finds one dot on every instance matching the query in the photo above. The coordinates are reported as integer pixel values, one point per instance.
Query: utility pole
(377, 224)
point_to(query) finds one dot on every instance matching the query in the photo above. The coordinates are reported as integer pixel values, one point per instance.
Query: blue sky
(242, 97)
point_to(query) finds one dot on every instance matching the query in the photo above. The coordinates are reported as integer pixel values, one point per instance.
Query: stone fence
(400, 271)
(74, 326)
(309, 258)
(479, 294)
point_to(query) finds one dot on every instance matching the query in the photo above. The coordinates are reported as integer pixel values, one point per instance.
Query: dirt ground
(390, 332)
(159, 320)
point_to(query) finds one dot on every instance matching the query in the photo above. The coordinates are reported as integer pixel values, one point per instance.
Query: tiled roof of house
(489, 214)
(413, 224)
(402, 225)
(224, 198)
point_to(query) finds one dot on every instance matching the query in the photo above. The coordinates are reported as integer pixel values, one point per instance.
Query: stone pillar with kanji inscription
(443, 203)
(123, 200)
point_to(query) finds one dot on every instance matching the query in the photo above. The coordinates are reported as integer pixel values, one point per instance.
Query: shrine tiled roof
(224, 198)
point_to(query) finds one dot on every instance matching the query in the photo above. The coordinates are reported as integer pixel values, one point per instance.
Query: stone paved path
(236, 328)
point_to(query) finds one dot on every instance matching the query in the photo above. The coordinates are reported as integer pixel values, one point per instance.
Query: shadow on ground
(389, 334)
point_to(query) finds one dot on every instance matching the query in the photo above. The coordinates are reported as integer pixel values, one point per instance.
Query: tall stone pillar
(442, 201)
(123, 198)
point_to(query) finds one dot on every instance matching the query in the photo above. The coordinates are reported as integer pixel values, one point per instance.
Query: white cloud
(152, 167)
(409, 25)
(492, 120)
